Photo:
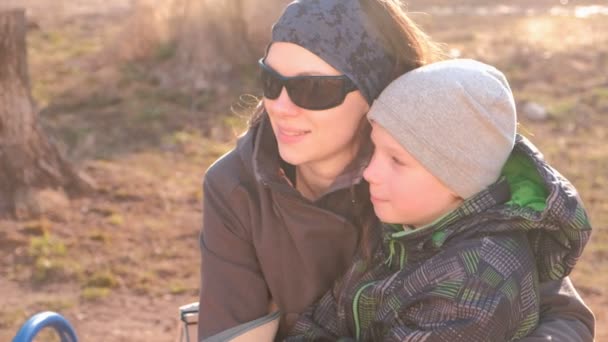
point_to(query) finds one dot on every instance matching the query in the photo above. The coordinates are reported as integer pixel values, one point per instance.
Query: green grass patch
(599, 98)
(181, 138)
(238, 123)
(562, 108)
(101, 279)
(600, 92)
(184, 140)
(165, 51)
(60, 45)
(177, 288)
(54, 37)
(46, 246)
(41, 91)
(99, 236)
(48, 260)
(49, 269)
(94, 293)
(116, 220)
(84, 48)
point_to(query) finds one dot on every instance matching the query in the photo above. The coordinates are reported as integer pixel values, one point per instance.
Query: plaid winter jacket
(470, 276)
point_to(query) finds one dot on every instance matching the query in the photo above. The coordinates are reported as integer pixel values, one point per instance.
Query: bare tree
(29, 162)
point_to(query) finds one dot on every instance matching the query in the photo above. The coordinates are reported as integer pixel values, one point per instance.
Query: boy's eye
(397, 161)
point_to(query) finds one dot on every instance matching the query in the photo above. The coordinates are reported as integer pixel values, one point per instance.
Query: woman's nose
(282, 105)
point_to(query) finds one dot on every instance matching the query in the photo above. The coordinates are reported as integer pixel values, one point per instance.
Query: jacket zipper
(356, 310)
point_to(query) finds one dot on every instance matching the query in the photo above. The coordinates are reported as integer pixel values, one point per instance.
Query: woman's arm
(233, 289)
(564, 315)
(310, 328)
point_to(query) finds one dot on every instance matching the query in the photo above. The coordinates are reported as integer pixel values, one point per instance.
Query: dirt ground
(119, 263)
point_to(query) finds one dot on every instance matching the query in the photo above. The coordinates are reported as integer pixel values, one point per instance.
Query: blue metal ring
(41, 320)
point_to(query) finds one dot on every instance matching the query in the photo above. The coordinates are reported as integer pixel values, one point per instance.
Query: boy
(475, 218)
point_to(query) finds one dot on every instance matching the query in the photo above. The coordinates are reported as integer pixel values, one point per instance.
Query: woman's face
(312, 138)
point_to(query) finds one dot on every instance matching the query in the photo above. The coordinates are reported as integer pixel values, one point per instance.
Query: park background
(142, 96)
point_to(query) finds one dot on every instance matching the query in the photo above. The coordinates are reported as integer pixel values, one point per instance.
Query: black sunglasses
(308, 92)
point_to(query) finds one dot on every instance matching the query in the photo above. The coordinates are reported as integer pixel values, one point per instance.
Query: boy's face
(402, 190)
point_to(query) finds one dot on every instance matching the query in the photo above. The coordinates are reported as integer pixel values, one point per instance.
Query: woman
(287, 209)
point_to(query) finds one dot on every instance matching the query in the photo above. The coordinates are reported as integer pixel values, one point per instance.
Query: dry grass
(147, 26)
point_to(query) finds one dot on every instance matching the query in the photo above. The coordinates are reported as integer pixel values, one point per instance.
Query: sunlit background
(143, 95)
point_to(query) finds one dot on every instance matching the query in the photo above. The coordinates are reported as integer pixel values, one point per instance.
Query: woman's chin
(291, 157)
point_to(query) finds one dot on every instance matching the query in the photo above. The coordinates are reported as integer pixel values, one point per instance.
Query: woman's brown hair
(404, 41)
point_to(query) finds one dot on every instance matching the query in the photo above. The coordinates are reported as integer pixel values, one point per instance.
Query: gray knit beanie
(456, 117)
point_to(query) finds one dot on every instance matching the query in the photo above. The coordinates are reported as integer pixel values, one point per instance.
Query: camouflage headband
(338, 32)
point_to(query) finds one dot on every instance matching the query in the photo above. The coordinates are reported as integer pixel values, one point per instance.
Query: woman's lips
(290, 135)
(375, 199)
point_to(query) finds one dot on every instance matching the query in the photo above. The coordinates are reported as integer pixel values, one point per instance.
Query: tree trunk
(29, 163)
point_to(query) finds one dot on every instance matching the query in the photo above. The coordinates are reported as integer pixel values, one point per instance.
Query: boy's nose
(370, 174)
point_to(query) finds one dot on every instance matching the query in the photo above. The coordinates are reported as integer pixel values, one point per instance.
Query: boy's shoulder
(492, 258)
(497, 254)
